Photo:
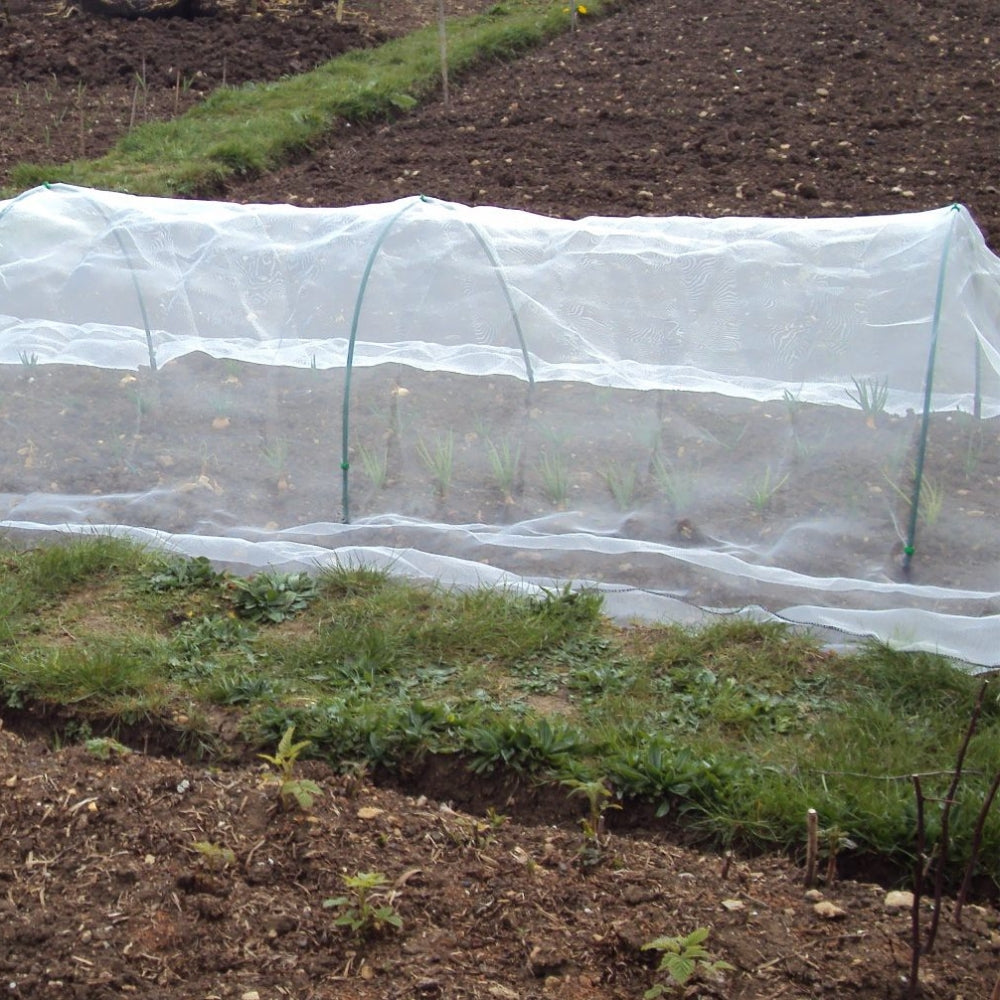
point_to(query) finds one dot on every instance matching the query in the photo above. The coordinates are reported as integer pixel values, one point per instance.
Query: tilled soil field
(768, 109)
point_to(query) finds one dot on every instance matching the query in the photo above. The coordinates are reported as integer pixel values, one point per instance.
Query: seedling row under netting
(799, 416)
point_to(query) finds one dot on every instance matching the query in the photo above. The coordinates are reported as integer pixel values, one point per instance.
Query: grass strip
(731, 732)
(257, 127)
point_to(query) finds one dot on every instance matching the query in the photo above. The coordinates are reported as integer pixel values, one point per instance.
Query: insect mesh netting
(798, 417)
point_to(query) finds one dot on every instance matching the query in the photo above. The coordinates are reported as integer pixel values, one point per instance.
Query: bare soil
(151, 876)
(216, 446)
(765, 108)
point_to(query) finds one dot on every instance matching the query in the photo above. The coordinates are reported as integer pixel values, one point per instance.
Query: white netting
(671, 408)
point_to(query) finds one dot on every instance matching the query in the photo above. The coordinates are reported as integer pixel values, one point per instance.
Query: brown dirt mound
(142, 876)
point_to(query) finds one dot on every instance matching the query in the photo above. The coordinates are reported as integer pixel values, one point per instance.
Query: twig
(443, 45)
(253, 850)
(135, 101)
(918, 885)
(977, 837)
(884, 777)
(831, 863)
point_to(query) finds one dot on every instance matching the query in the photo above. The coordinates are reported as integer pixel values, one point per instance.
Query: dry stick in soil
(443, 44)
(812, 847)
(83, 125)
(141, 85)
(918, 885)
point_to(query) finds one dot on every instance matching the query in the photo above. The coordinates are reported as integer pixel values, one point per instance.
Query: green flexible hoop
(345, 464)
(911, 533)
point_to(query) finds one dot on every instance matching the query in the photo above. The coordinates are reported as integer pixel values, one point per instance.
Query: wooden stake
(443, 45)
(812, 847)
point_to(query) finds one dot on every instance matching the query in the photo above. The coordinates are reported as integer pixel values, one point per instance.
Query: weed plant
(239, 687)
(680, 958)
(216, 856)
(293, 791)
(362, 910)
(597, 792)
(183, 574)
(525, 746)
(105, 748)
(735, 730)
(271, 596)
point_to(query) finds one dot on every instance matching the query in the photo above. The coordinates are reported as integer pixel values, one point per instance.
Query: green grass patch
(733, 731)
(254, 128)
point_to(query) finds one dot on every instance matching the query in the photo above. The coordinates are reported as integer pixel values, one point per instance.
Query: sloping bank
(257, 127)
